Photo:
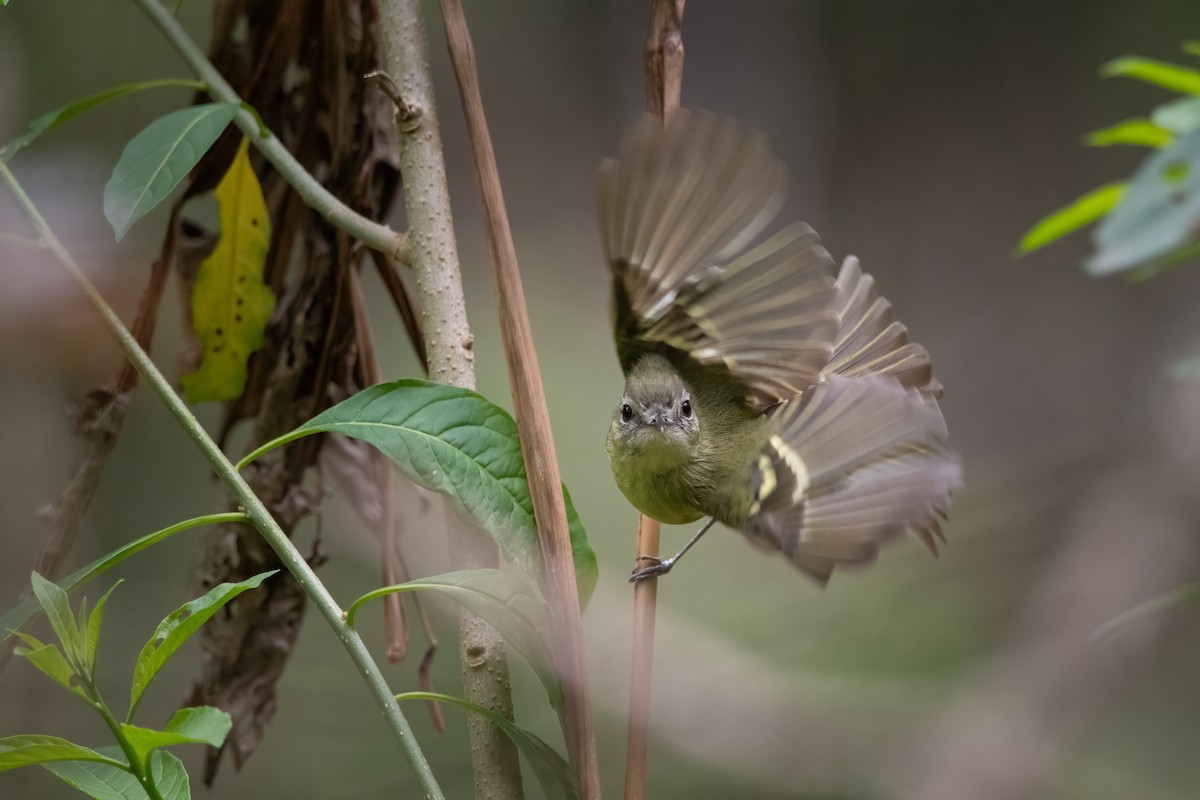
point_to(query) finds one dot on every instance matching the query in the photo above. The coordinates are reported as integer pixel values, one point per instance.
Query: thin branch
(372, 234)
(664, 57)
(449, 345)
(255, 510)
(663, 63)
(533, 419)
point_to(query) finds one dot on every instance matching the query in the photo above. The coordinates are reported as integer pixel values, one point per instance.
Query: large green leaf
(1158, 73)
(198, 725)
(553, 774)
(158, 158)
(1140, 132)
(22, 751)
(1159, 213)
(58, 116)
(453, 441)
(49, 659)
(1082, 212)
(23, 612)
(173, 631)
(106, 782)
(510, 604)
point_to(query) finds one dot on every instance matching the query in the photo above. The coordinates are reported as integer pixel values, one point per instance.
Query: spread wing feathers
(854, 464)
(677, 204)
(870, 341)
(766, 318)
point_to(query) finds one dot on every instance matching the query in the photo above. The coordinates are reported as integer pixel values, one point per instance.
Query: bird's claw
(657, 567)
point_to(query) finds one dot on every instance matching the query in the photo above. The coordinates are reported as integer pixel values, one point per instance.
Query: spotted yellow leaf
(230, 303)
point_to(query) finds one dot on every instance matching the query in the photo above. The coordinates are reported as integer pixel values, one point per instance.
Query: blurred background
(924, 137)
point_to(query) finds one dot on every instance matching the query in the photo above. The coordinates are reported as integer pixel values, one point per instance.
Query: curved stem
(255, 510)
(372, 234)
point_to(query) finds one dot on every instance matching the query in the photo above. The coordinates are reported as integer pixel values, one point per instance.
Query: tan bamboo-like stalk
(664, 78)
(532, 414)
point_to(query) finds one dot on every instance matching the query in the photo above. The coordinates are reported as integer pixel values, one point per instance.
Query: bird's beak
(660, 418)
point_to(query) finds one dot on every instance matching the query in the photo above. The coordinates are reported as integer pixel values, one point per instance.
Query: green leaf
(1140, 132)
(22, 751)
(230, 303)
(1184, 594)
(456, 442)
(50, 660)
(1178, 116)
(91, 633)
(173, 631)
(52, 119)
(157, 159)
(23, 612)
(199, 725)
(553, 774)
(1158, 73)
(1159, 213)
(105, 782)
(1192, 48)
(58, 610)
(508, 602)
(1084, 211)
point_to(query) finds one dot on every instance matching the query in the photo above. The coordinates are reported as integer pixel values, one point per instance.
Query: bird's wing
(679, 208)
(869, 341)
(854, 464)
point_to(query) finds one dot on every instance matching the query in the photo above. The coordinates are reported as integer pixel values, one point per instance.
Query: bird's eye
(686, 408)
(626, 412)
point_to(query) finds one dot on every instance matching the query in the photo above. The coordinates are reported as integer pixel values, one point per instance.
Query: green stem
(258, 514)
(140, 770)
(372, 234)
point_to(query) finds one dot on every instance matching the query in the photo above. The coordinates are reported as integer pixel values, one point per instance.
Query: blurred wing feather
(855, 463)
(677, 203)
(869, 341)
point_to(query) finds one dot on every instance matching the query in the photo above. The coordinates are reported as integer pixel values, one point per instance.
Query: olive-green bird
(761, 390)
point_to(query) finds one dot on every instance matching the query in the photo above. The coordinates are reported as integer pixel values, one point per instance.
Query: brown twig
(663, 62)
(533, 419)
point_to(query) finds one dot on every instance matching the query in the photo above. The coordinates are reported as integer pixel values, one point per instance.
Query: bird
(765, 388)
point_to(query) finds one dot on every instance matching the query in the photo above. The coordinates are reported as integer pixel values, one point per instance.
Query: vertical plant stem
(257, 513)
(433, 256)
(663, 63)
(533, 417)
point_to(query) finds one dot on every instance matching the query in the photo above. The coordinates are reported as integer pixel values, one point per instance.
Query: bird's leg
(660, 566)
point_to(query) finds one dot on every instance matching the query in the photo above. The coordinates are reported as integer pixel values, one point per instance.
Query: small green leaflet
(52, 119)
(177, 628)
(1158, 73)
(199, 725)
(230, 303)
(23, 612)
(22, 751)
(159, 158)
(455, 442)
(1082, 212)
(1139, 132)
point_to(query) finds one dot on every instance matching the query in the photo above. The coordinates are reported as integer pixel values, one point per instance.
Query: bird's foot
(656, 568)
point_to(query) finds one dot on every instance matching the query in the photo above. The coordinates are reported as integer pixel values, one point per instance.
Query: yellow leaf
(230, 303)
